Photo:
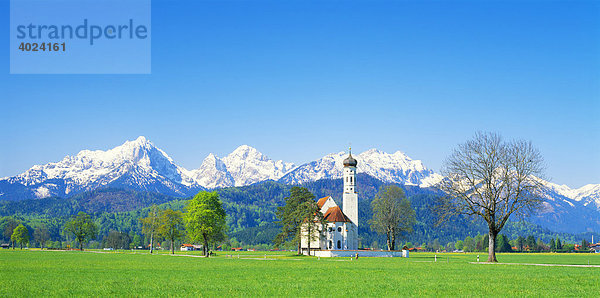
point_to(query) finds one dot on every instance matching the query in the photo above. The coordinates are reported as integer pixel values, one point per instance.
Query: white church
(339, 235)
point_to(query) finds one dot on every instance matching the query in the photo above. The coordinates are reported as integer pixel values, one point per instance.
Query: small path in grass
(532, 264)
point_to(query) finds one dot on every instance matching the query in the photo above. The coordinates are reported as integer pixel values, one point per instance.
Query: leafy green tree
(137, 241)
(503, 244)
(312, 223)
(116, 240)
(9, 224)
(459, 245)
(559, 245)
(392, 214)
(584, 245)
(171, 226)
(82, 227)
(205, 219)
(20, 235)
(469, 244)
(289, 218)
(435, 245)
(41, 235)
(521, 243)
(530, 242)
(552, 245)
(150, 225)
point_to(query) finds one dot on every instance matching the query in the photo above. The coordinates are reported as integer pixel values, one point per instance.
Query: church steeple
(350, 196)
(350, 161)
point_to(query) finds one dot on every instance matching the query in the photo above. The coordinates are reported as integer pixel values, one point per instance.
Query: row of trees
(203, 222)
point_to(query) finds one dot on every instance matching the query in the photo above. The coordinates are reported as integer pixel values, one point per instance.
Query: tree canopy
(150, 225)
(291, 215)
(171, 226)
(82, 227)
(392, 214)
(493, 179)
(20, 235)
(205, 219)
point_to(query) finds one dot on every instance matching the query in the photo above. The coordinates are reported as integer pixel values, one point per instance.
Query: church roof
(322, 201)
(335, 214)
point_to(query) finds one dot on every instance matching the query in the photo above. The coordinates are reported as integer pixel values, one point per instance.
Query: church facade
(340, 232)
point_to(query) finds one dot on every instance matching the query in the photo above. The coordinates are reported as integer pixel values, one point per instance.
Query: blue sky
(299, 79)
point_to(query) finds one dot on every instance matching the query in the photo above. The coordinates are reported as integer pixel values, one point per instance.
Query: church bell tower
(350, 197)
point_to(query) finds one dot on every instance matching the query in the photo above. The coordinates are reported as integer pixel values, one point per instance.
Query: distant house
(595, 247)
(236, 248)
(5, 246)
(190, 247)
(186, 247)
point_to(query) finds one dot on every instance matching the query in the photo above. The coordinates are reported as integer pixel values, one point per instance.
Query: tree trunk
(492, 246)
(81, 245)
(299, 247)
(309, 238)
(389, 243)
(205, 245)
(151, 242)
(172, 246)
(393, 241)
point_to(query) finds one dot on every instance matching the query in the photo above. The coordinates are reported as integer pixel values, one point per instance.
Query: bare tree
(493, 179)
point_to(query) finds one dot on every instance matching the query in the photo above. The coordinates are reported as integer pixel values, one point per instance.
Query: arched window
(340, 229)
(330, 244)
(350, 178)
(339, 244)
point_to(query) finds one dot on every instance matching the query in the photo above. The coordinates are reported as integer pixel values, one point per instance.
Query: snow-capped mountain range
(140, 165)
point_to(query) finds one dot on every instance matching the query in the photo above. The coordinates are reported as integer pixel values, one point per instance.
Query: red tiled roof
(335, 214)
(322, 201)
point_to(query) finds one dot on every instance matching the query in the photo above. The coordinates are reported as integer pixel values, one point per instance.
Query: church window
(339, 244)
(330, 244)
(339, 229)
(330, 229)
(350, 179)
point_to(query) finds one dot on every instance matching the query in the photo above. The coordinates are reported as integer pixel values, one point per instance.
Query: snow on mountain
(244, 166)
(137, 164)
(213, 173)
(328, 167)
(589, 194)
(396, 168)
(389, 168)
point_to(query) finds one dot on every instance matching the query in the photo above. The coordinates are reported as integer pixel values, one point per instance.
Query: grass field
(61, 273)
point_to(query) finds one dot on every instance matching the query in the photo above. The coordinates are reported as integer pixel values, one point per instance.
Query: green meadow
(74, 273)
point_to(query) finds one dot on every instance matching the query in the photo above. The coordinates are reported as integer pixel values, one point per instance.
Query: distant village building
(190, 247)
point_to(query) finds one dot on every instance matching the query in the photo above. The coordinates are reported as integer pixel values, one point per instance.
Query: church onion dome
(350, 161)
(335, 214)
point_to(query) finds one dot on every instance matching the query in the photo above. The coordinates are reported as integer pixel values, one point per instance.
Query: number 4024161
(42, 47)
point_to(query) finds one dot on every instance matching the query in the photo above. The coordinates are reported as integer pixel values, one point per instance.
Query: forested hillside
(251, 212)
